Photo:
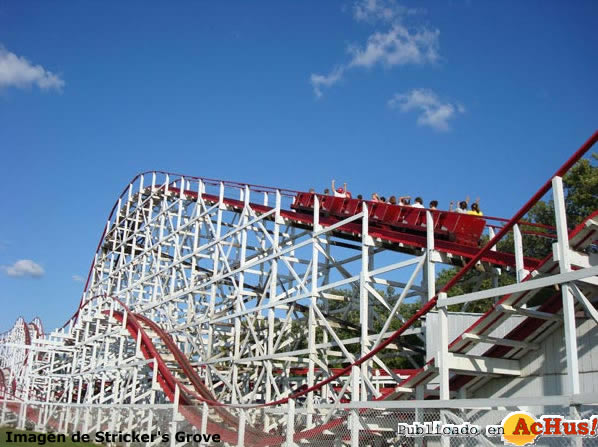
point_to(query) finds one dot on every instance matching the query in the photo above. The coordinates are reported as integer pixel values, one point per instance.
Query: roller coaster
(278, 317)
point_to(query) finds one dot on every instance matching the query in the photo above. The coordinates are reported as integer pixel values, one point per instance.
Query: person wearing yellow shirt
(475, 209)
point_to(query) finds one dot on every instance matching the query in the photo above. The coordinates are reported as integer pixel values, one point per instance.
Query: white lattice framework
(217, 297)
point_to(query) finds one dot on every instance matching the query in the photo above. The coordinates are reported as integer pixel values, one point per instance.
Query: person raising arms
(340, 192)
(475, 208)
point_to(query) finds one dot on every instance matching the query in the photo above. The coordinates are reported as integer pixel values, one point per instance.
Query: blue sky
(441, 99)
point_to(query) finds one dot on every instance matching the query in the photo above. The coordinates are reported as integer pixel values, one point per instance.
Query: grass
(5, 443)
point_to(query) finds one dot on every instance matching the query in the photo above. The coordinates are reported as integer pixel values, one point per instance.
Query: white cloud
(78, 278)
(433, 112)
(383, 10)
(18, 72)
(317, 80)
(24, 267)
(398, 46)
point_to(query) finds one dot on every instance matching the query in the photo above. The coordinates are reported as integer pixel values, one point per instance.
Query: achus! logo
(521, 428)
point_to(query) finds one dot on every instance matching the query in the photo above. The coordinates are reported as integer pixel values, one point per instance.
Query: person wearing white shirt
(419, 203)
(461, 209)
(340, 192)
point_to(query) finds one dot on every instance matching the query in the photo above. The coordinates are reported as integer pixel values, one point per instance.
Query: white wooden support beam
(591, 281)
(581, 260)
(405, 389)
(430, 271)
(589, 307)
(221, 205)
(507, 309)
(364, 308)
(500, 341)
(520, 271)
(176, 416)
(443, 363)
(568, 305)
(442, 358)
(311, 329)
(476, 365)
(531, 284)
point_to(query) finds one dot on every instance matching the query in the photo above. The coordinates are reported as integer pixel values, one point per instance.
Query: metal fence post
(22, 416)
(241, 438)
(354, 417)
(3, 410)
(204, 418)
(420, 412)
(291, 424)
(175, 416)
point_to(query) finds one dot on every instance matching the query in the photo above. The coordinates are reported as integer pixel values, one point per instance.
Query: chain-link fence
(377, 427)
(326, 426)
